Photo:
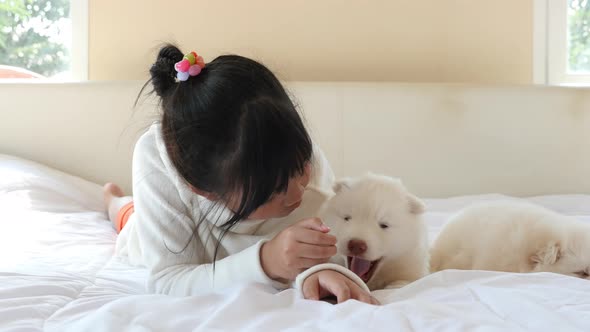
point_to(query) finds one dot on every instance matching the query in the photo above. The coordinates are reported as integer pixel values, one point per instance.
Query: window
(562, 42)
(44, 39)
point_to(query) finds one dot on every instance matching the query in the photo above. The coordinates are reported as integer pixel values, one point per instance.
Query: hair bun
(162, 71)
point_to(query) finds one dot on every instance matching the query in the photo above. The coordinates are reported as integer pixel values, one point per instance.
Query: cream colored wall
(323, 40)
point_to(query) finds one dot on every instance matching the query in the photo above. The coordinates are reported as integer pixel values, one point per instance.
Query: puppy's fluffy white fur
(513, 237)
(380, 211)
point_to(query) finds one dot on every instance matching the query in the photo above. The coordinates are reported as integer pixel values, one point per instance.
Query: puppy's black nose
(357, 247)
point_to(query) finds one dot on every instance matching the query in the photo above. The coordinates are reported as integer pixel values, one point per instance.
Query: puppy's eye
(582, 274)
(347, 217)
(383, 225)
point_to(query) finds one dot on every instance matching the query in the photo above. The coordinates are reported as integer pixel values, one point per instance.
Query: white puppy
(381, 236)
(513, 237)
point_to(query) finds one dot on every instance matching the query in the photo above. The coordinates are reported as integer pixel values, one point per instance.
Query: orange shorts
(124, 213)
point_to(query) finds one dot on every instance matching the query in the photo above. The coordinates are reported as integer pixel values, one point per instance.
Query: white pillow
(27, 184)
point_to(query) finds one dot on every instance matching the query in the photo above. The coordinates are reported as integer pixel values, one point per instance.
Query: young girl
(220, 184)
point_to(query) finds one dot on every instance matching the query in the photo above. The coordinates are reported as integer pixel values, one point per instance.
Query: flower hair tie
(190, 65)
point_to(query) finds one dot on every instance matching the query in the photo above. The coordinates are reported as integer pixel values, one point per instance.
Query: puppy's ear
(547, 255)
(342, 185)
(416, 205)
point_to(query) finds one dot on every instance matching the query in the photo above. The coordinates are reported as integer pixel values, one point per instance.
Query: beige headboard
(442, 140)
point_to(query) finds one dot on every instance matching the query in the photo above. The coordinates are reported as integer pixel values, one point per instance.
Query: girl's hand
(297, 248)
(328, 282)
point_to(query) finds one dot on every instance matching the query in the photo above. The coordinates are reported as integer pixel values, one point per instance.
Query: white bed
(457, 143)
(58, 273)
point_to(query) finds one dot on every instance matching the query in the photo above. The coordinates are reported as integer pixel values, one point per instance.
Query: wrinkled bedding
(58, 273)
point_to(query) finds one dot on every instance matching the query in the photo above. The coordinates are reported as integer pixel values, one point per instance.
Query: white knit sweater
(159, 235)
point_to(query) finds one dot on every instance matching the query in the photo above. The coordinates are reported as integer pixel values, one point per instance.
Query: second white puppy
(513, 237)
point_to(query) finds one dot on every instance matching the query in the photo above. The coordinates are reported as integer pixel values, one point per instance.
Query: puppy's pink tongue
(359, 266)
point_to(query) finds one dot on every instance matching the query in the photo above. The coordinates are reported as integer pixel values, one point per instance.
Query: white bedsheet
(58, 273)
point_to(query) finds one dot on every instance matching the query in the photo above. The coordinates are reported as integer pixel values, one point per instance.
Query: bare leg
(114, 200)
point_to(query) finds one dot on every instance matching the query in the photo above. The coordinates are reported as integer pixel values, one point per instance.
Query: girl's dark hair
(231, 131)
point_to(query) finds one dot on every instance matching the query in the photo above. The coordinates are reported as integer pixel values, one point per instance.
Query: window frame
(78, 51)
(550, 45)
